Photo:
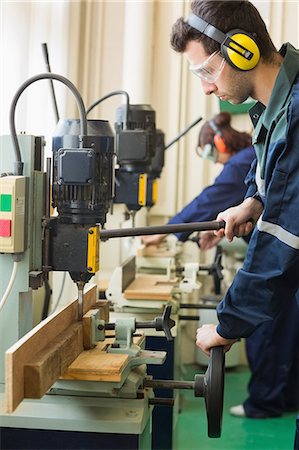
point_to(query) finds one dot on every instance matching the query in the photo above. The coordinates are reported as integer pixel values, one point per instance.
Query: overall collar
(283, 84)
(262, 117)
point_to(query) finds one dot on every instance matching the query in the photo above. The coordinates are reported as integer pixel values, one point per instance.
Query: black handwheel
(211, 387)
(215, 391)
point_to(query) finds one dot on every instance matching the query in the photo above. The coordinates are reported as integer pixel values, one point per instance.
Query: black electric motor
(83, 177)
(135, 138)
(135, 131)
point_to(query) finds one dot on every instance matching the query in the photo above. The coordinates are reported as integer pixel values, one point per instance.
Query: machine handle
(209, 385)
(164, 229)
(164, 323)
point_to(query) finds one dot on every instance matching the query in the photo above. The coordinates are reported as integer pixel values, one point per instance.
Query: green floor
(237, 433)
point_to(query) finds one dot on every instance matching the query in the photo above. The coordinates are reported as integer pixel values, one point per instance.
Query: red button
(5, 228)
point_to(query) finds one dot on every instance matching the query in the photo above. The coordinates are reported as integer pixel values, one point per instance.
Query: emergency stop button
(5, 228)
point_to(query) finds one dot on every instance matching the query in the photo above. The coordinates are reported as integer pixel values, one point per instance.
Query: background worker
(220, 143)
(235, 65)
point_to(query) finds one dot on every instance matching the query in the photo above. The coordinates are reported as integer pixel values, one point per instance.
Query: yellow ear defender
(237, 46)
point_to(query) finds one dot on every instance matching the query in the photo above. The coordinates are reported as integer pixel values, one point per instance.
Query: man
(229, 48)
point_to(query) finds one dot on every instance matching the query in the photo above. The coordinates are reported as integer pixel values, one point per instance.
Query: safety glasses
(208, 151)
(210, 69)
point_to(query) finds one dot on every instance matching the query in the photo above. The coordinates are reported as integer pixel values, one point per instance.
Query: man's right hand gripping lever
(240, 220)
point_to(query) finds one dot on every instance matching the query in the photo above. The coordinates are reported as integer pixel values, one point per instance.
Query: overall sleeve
(228, 190)
(270, 275)
(250, 181)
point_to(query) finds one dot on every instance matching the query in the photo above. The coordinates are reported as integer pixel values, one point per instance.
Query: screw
(131, 413)
(115, 345)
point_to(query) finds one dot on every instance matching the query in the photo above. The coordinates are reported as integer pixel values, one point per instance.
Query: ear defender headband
(218, 139)
(237, 46)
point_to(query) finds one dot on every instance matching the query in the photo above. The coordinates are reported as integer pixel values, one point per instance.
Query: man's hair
(225, 15)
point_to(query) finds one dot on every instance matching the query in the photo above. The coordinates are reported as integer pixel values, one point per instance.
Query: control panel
(12, 214)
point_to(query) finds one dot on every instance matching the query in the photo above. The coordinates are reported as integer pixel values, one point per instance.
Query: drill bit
(80, 285)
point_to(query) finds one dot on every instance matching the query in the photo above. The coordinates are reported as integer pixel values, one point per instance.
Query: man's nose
(208, 88)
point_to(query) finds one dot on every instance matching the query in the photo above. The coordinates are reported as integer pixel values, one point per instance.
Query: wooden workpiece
(102, 313)
(150, 287)
(48, 364)
(156, 251)
(98, 365)
(39, 349)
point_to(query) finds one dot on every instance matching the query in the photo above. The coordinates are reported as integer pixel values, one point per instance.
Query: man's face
(230, 85)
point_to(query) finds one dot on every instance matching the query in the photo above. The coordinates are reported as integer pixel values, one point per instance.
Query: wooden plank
(156, 251)
(47, 366)
(150, 287)
(34, 341)
(96, 365)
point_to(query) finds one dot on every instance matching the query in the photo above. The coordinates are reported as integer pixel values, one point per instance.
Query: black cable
(83, 122)
(108, 96)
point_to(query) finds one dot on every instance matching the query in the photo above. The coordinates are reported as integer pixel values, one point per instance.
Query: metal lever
(164, 229)
(164, 323)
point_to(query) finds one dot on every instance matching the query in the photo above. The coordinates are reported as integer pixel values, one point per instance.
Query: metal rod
(169, 384)
(145, 324)
(47, 62)
(180, 270)
(173, 141)
(48, 187)
(80, 285)
(158, 401)
(189, 318)
(163, 229)
(197, 306)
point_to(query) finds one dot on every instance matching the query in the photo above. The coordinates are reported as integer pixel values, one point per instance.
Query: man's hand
(207, 240)
(154, 239)
(207, 337)
(240, 220)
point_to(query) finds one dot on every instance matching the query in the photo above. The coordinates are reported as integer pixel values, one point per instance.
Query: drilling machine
(82, 189)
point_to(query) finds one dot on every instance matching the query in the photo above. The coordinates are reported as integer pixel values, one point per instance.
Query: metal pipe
(197, 306)
(158, 401)
(145, 324)
(189, 318)
(169, 384)
(48, 187)
(164, 229)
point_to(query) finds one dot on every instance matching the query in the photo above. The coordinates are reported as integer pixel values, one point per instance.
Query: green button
(5, 202)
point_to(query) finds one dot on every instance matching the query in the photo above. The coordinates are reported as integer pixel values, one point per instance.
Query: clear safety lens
(210, 69)
(208, 151)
